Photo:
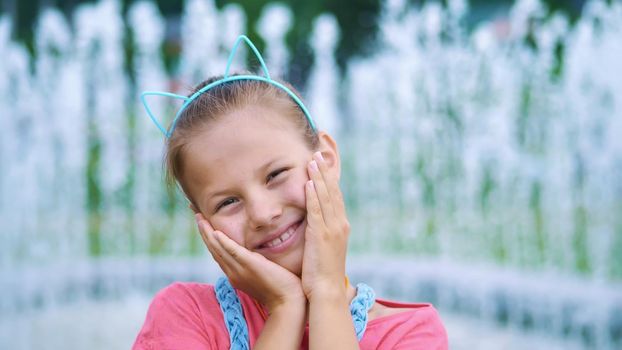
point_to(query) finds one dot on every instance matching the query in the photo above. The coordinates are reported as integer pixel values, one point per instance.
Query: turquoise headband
(188, 100)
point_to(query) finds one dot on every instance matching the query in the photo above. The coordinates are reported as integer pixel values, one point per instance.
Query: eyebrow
(259, 171)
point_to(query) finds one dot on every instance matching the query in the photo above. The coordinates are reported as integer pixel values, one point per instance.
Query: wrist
(329, 295)
(288, 307)
(285, 318)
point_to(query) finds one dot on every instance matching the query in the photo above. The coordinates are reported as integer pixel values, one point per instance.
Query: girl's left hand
(326, 235)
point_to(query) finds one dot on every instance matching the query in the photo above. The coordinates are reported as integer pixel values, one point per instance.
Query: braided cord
(359, 307)
(236, 323)
(233, 314)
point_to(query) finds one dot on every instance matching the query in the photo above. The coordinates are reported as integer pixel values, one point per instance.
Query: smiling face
(246, 174)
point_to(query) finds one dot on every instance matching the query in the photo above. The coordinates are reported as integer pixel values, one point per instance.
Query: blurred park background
(481, 142)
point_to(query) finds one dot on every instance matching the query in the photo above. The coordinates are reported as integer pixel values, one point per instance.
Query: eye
(225, 203)
(275, 174)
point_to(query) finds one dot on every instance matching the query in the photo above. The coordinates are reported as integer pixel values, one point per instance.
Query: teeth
(282, 238)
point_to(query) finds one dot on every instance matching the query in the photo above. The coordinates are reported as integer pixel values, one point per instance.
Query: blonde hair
(216, 103)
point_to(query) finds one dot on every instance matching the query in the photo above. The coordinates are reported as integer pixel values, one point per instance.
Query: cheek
(294, 190)
(231, 226)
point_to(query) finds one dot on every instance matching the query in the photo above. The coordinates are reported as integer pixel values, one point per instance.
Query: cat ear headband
(226, 78)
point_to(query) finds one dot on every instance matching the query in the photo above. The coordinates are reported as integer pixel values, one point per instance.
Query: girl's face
(246, 174)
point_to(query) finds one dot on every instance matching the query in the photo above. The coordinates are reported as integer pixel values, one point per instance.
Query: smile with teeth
(282, 238)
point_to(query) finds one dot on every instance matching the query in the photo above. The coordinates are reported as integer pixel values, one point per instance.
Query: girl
(264, 186)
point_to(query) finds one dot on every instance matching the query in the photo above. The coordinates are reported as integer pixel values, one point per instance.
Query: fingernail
(314, 165)
(319, 156)
(310, 184)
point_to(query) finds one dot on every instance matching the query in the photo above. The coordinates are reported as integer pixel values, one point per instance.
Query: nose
(262, 209)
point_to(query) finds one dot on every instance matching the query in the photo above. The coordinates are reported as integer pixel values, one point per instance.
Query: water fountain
(487, 164)
(275, 22)
(322, 88)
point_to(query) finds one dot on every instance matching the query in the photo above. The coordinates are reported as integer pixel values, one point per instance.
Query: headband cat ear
(158, 93)
(255, 51)
(226, 79)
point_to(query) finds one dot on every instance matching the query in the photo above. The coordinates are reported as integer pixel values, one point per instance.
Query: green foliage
(94, 194)
(579, 241)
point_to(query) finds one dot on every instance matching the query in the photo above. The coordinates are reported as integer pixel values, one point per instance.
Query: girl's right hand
(265, 281)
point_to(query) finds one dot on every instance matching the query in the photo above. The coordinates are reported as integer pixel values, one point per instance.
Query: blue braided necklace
(236, 323)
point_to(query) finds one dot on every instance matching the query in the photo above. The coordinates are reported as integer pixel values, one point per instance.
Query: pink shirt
(187, 316)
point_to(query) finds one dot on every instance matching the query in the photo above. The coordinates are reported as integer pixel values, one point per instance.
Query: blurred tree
(357, 19)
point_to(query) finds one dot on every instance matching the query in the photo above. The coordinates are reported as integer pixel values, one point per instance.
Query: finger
(218, 258)
(201, 230)
(322, 193)
(224, 254)
(314, 211)
(236, 251)
(206, 231)
(325, 172)
(219, 254)
(215, 254)
(210, 243)
(331, 181)
(200, 217)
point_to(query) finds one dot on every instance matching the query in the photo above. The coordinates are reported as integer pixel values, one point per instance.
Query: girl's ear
(330, 152)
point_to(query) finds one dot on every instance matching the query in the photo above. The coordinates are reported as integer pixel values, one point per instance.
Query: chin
(292, 262)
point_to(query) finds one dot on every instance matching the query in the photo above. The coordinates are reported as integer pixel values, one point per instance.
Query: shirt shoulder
(183, 316)
(416, 326)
